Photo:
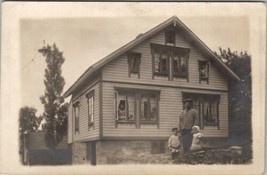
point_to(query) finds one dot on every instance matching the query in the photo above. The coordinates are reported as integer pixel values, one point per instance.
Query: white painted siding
(84, 133)
(170, 107)
(117, 70)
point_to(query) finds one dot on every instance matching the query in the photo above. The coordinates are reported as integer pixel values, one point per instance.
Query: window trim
(116, 94)
(137, 57)
(206, 95)
(137, 97)
(157, 107)
(186, 51)
(207, 64)
(170, 60)
(76, 105)
(89, 95)
(170, 32)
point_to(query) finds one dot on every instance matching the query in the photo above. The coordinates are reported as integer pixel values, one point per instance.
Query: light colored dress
(196, 143)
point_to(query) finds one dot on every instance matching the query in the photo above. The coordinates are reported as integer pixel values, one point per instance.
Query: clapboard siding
(84, 133)
(118, 68)
(170, 105)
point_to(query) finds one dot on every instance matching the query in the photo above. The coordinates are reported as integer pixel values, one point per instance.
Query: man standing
(188, 119)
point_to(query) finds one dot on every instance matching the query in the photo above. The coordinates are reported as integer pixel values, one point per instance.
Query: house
(37, 153)
(124, 106)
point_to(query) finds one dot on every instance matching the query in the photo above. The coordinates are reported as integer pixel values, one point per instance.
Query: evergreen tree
(52, 99)
(240, 99)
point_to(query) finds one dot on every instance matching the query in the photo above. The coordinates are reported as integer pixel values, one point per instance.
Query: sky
(86, 40)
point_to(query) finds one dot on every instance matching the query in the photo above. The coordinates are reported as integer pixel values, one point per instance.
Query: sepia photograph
(172, 88)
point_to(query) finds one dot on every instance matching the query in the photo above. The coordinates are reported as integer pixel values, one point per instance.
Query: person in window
(174, 143)
(121, 110)
(203, 73)
(197, 139)
(187, 120)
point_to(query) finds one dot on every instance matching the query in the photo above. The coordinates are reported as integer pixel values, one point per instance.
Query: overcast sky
(85, 40)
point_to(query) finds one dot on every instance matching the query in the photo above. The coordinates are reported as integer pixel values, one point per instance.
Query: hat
(187, 100)
(195, 128)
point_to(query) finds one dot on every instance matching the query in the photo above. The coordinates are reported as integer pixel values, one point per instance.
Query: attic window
(134, 61)
(170, 37)
(203, 68)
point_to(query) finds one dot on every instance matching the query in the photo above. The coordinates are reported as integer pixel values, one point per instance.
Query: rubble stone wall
(79, 153)
(139, 152)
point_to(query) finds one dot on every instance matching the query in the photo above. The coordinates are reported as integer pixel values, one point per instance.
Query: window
(90, 103)
(161, 63)
(180, 62)
(158, 147)
(125, 107)
(170, 37)
(203, 68)
(207, 107)
(149, 108)
(76, 111)
(162, 56)
(127, 101)
(134, 61)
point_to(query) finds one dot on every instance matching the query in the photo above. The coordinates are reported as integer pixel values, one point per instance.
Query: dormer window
(134, 61)
(170, 37)
(203, 71)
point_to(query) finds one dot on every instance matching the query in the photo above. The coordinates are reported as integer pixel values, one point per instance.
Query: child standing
(197, 139)
(174, 143)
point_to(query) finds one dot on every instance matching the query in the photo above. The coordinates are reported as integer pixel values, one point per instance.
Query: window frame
(137, 93)
(198, 104)
(91, 118)
(182, 51)
(76, 106)
(170, 33)
(207, 68)
(149, 95)
(137, 58)
(126, 92)
(170, 60)
(162, 49)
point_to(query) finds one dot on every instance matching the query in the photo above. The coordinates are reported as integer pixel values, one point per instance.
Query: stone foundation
(79, 153)
(127, 152)
(131, 152)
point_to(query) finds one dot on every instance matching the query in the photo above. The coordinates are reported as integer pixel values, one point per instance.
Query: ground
(234, 150)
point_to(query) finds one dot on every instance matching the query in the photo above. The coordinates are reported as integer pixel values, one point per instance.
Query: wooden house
(128, 102)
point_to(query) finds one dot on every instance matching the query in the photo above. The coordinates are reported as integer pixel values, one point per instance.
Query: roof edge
(136, 41)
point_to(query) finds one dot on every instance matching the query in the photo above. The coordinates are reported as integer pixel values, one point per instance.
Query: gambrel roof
(173, 20)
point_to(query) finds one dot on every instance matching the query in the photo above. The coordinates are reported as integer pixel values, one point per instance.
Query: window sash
(180, 62)
(126, 114)
(170, 37)
(163, 55)
(132, 101)
(149, 110)
(203, 68)
(208, 109)
(90, 101)
(134, 61)
(161, 65)
(77, 117)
